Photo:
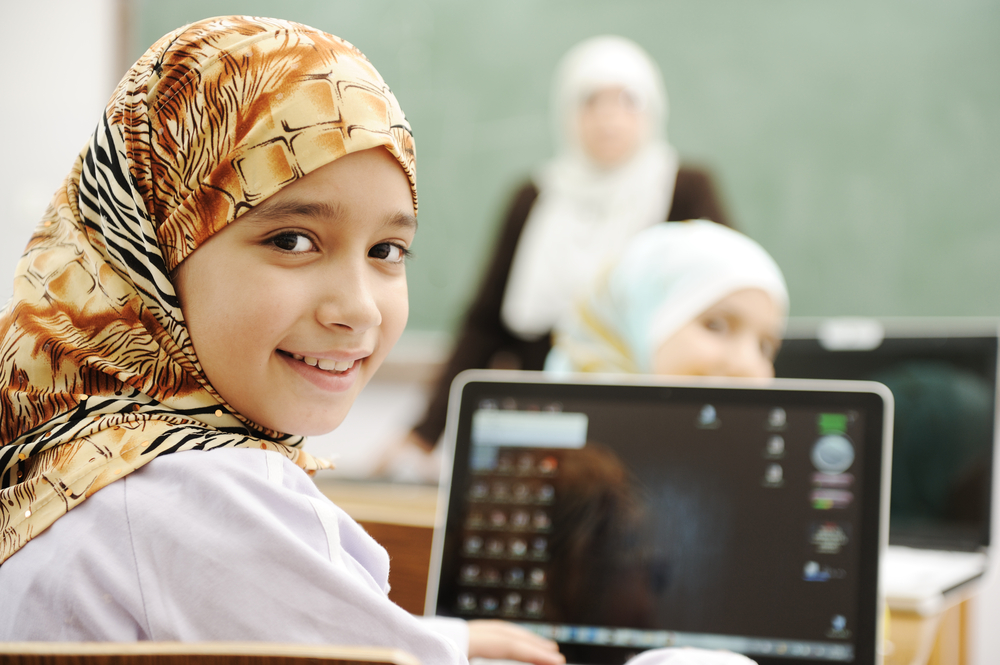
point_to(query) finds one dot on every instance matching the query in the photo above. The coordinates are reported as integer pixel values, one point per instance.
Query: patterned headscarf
(664, 278)
(98, 374)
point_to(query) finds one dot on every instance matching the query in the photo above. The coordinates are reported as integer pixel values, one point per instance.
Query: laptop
(615, 514)
(943, 373)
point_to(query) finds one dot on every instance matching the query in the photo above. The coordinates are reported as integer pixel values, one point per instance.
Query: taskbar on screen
(651, 639)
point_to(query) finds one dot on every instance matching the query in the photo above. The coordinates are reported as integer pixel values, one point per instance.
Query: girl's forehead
(367, 185)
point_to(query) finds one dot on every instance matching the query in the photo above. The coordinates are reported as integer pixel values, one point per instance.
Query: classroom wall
(857, 141)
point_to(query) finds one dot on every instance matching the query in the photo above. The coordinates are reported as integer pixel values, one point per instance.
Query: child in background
(683, 298)
(221, 274)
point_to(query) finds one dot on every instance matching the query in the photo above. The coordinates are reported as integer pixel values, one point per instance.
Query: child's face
(611, 126)
(737, 336)
(312, 276)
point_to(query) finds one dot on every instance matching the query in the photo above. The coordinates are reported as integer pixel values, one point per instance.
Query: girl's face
(611, 126)
(737, 336)
(293, 307)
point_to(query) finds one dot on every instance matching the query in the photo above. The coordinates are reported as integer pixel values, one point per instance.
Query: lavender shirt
(232, 544)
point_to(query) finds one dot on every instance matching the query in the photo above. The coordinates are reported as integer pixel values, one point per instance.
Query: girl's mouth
(325, 364)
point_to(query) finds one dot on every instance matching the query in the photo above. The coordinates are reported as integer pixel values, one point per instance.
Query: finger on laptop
(489, 638)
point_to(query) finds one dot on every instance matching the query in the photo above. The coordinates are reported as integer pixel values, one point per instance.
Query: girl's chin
(299, 417)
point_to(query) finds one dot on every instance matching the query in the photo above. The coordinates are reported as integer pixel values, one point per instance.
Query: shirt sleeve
(240, 545)
(456, 630)
(229, 544)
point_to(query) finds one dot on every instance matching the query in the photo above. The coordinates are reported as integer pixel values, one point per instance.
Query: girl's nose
(348, 300)
(748, 361)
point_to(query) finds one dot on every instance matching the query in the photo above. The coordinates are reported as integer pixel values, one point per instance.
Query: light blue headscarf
(666, 276)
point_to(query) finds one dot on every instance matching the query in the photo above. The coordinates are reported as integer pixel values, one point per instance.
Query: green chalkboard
(857, 140)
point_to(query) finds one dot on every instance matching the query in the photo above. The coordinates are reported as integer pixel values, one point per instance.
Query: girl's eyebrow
(402, 219)
(283, 209)
(268, 211)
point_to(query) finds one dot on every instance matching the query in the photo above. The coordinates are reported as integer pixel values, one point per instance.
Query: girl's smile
(325, 373)
(293, 307)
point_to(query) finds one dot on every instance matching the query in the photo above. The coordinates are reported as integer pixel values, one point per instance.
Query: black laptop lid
(943, 375)
(619, 517)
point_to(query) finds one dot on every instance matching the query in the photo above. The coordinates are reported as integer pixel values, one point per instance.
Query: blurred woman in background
(614, 174)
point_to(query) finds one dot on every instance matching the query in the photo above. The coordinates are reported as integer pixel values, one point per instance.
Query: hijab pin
(218, 413)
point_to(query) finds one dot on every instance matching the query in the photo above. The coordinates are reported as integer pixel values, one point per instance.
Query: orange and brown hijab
(98, 372)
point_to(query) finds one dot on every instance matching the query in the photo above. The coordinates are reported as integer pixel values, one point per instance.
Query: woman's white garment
(262, 556)
(665, 277)
(584, 212)
(686, 656)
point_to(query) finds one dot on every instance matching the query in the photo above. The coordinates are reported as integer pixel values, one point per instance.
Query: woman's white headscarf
(664, 278)
(585, 212)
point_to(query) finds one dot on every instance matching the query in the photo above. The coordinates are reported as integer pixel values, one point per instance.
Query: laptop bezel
(871, 652)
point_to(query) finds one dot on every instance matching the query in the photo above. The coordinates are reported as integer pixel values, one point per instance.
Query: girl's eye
(292, 241)
(716, 324)
(389, 252)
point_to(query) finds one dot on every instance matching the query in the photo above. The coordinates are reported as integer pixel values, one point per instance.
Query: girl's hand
(490, 638)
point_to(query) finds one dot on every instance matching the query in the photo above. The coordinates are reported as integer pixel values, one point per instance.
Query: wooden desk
(940, 639)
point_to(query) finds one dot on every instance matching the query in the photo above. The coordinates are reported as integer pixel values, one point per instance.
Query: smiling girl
(221, 273)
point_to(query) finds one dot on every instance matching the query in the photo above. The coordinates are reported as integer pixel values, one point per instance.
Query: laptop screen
(616, 518)
(943, 376)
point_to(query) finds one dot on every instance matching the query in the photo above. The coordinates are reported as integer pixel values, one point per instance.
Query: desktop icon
(813, 572)
(777, 419)
(828, 537)
(827, 499)
(466, 602)
(774, 476)
(838, 628)
(708, 418)
(832, 453)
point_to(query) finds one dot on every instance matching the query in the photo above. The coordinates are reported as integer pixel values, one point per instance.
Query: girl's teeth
(325, 363)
